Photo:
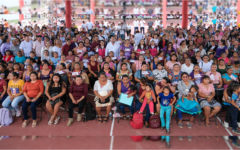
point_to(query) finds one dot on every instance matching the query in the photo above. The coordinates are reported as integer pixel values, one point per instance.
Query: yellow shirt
(148, 95)
(16, 87)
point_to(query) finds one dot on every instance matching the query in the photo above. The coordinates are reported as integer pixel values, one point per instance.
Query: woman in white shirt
(187, 66)
(103, 89)
(205, 65)
(47, 47)
(58, 47)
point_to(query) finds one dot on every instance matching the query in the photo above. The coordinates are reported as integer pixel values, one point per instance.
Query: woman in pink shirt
(225, 58)
(138, 63)
(215, 77)
(173, 60)
(80, 50)
(206, 94)
(179, 39)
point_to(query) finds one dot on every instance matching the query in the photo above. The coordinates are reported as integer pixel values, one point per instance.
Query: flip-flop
(50, 122)
(57, 120)
(189, 125)
(25, 123)
(207, 125)
(168, 144)
(180, 125)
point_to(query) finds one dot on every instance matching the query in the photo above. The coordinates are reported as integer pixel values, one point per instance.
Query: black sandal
(162, 128)
(168, 144)
(167, 131)
(130, 117)
(105, 120)
(99, 120)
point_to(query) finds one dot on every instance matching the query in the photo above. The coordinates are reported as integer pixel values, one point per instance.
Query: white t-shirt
(185, 68)
(107, 87)
(135, 11)
(84, 26)
(89, 25)
(136, 23)
(57, 49)
(27, 47)
(142, 23)
(205, 66)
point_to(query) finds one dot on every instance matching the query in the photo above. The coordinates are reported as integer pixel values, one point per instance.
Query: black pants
(93, 79)
(228, 114)
(235, 117)
(128, 32)
(80, 106)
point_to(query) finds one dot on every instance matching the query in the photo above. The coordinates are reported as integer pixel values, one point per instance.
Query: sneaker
(174, 115)
(18, 112)
(13, 112)
(79, 117)
(116, 115)
(114, 108)
(236, 144)
(226, 137)
(236, 131)
(70, 121)
(225, 124)
(238, 124)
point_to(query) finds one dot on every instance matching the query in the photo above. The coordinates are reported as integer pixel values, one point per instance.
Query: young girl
(141, 48)
(148, 95)
(235, 108)
(119, 58)
(166, 106)
(153, 48)
(148, 57)
(101, 49)
(188, 104)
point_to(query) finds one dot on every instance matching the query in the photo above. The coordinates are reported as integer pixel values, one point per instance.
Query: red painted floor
(113, 135)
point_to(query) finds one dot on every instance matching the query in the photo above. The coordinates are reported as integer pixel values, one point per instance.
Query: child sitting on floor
(166, 106)
(148, 95)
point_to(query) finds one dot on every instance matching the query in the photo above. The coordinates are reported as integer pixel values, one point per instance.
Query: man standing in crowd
(15, 47)
(26, 46)
(150, 23)
(89, 25)
(142, 26)
(122, 31)
(95, 44)
(157, 23)
(66, 47)
(136, 25)
(113, 46)
(37, 47)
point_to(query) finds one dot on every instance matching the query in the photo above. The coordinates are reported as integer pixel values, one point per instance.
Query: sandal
(167, 131)
(189, 125)
(34, 124)
(207, 124)
(57, 120)
(50, 122)
(105, 120)
(162, 128)
(124, 118)
(146, 124)
(130, 117)
(180, 138)
(168, 144)
(25, 123)
(180, 125)
(99, 120)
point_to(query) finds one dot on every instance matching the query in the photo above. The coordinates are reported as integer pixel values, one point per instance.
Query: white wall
(13, 3)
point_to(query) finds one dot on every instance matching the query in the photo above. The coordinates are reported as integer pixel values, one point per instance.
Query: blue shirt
(214, 21)
(55, 61)
(227, 11)
(227, 23)
(226, 76)
(20, 59)
(214, 9)
(165, 100)
(235, 97)
(138, 74)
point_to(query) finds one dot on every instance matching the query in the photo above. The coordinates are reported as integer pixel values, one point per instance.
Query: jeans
(33, 108)
(234, 115)
(89, 30)
(135, 28)
(4, 97)
(166, 109)
(80, 106)
(228, 114)
(142, 30)
(128, 32)
(138, 106)
(14, 104)
(121, 107)
(151, 106)
(122, 36)
(179, 112)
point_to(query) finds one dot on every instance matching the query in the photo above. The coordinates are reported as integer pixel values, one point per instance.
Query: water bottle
(110, 114)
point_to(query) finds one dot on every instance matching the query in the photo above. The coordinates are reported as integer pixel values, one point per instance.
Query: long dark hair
(31, 74)
(229, 89)
(61, 83)
(5, 39)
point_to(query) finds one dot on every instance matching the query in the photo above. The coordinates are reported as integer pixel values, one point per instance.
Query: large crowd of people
(168, 70)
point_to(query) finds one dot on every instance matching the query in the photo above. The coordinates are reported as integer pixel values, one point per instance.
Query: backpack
(137, 121)
(5, 117)
(154, 122)
(90, 112)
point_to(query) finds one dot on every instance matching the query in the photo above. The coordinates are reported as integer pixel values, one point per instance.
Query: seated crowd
(191, 71)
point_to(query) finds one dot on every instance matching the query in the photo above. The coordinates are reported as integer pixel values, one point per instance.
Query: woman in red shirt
(33, 90)
(8, 57)
(93, 68)
(78, 94)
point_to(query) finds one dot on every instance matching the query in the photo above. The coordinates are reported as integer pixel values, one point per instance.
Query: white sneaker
(116, 115)
(225, 124)
(13, 112)
(226, 137)
(18, 113)
(238, 124)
